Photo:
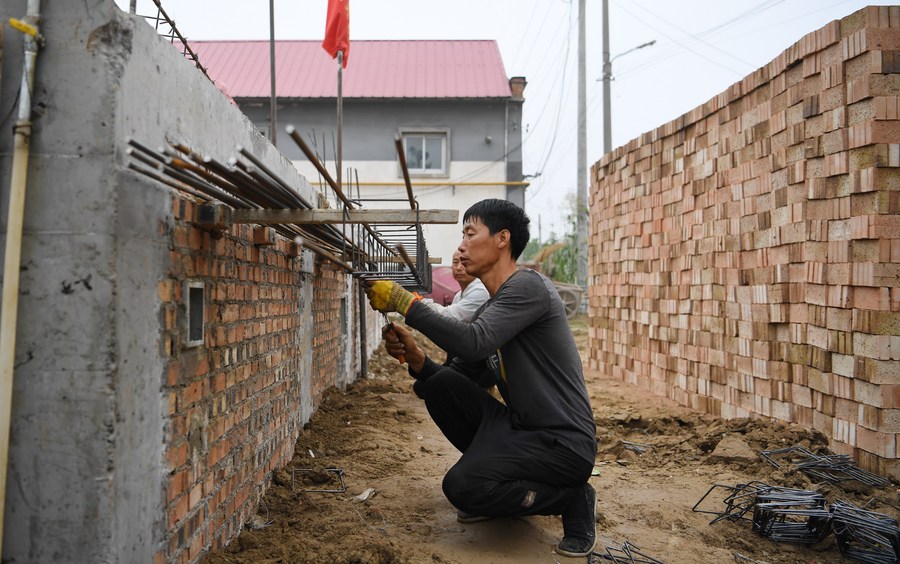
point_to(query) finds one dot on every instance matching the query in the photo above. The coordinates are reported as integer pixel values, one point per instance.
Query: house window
(426, 153)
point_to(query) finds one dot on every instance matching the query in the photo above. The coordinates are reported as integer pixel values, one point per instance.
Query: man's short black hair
(498, 215)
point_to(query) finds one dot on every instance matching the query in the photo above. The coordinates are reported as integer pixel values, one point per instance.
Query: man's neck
(497, 275)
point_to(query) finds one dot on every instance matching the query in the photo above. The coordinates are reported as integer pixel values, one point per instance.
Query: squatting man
(533, 452)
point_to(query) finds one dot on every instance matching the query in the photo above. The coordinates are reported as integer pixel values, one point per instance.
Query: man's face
(459, 272)
(478, 250)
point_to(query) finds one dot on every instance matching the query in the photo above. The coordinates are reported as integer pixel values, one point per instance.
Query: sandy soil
(390, 453)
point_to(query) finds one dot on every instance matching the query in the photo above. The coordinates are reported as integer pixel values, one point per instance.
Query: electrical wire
(769, 26)
(667, 51)
(681, 44)
(527, 34)
(562, 90)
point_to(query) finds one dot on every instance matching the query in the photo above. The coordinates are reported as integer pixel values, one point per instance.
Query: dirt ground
(391, 459)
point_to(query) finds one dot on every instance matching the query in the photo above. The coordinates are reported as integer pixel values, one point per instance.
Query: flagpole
(340, 116)
(273, 107)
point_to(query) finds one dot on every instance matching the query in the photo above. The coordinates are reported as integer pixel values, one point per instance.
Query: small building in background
(459, 115)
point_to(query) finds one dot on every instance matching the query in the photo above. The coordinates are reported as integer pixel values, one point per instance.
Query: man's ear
(503, 238)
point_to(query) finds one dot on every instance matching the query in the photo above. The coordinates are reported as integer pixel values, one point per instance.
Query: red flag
(337, 29)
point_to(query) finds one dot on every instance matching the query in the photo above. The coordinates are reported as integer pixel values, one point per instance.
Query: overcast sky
(702, 47)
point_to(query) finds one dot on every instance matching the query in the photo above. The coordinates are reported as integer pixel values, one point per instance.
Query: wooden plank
(322, 217)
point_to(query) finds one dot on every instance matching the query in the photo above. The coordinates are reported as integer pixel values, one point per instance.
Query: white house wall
(441, 240)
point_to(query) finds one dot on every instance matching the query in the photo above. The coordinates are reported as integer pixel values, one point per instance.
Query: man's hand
(387, 296)
(398, 341)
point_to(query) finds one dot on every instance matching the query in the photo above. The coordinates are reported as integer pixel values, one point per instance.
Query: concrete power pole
(581, 204)
(607, 77)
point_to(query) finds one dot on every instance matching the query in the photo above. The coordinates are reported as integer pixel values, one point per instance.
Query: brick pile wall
(745, 258)
(233, 401)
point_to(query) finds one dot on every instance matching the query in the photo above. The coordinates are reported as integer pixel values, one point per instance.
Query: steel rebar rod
(168, 182)
(398, 143)
(314, 160)
(287, 189)
(324, 254)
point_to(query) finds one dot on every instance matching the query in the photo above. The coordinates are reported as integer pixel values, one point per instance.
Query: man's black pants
(503, 471)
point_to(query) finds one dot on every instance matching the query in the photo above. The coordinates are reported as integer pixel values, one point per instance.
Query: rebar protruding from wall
(238, 185)
(367, 251)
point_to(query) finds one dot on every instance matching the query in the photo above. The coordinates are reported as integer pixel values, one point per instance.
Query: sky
(701, 48)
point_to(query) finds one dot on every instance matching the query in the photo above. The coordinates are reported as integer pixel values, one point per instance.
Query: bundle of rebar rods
(865, 535)
(245, 182)
(831, 468)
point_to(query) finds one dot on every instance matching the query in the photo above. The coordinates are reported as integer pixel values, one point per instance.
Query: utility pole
(607, 78)
(581, 211)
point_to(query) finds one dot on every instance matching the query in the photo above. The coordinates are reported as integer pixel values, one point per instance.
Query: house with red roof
(459, 115)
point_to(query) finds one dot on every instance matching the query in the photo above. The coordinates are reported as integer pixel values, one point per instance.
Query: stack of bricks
(745, 257)
(233, 401)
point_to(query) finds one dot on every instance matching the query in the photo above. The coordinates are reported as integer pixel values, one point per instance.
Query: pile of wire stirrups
(831, 468)
(805, 517)
(740, 500)
(627, 553)
(865, 535)
(789, 515)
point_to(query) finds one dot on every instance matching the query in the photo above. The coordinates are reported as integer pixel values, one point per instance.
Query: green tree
(557, 258)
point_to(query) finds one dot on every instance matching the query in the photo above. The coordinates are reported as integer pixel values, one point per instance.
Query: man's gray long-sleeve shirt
(522, 337)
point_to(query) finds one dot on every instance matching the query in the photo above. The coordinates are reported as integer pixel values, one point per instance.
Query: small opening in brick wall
(195, 314)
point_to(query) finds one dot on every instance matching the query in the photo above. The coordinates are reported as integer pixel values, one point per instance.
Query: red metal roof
(376, 69)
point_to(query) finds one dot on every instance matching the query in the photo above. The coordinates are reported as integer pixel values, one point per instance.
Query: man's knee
(439, 384)
(461, 490)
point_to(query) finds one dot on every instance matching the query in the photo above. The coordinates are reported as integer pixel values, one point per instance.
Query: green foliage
(558, 258)
(531, 249)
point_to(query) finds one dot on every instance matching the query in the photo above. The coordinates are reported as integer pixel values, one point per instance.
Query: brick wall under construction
(745, 257)
(234, 399)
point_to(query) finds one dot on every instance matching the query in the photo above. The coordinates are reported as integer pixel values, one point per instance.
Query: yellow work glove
(387, 296)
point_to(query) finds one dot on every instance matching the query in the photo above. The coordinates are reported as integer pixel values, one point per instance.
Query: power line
(671, 50)
(562, 90)
(684, 46)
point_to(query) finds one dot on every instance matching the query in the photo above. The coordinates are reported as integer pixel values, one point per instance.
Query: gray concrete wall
(86, 471)
(369, 126)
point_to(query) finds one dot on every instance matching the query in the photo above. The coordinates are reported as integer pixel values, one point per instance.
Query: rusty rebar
(398, 143)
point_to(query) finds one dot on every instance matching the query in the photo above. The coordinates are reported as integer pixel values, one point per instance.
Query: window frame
(424, 133)
(191, 309)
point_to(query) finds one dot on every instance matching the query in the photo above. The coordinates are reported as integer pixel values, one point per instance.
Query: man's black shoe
(463, 517)
(579, 524)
